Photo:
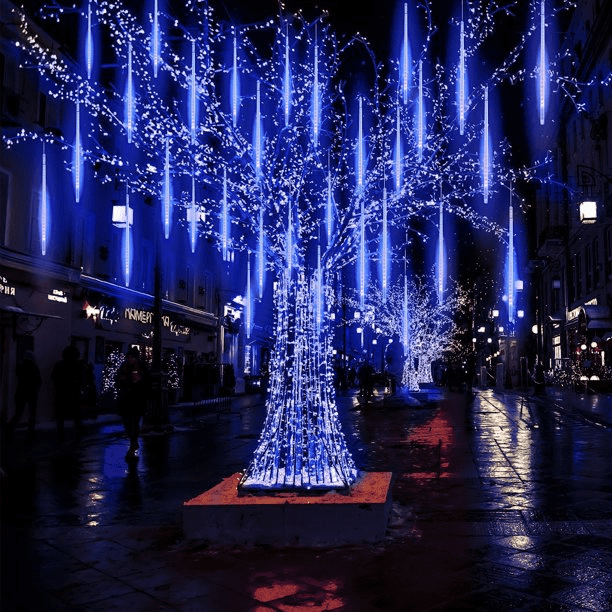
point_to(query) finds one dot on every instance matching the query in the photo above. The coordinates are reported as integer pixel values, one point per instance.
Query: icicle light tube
(462, 80)
(44, 206)
(127, 243)
(542, 69)
(89, 50)
(167, 199)
(129, 97)
(405, 58)
(77, 162)
(485, 152)
(155, 42)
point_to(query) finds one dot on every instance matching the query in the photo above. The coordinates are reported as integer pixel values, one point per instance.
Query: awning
(596, 317)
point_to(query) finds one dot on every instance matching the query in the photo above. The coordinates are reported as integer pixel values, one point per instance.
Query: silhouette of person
(67, 377)
(28, 387)
(133, 391)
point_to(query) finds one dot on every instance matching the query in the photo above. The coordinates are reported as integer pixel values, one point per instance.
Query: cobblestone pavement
(501, 501)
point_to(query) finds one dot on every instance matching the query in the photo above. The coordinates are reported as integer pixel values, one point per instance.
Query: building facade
(572, 272)
(64, 275)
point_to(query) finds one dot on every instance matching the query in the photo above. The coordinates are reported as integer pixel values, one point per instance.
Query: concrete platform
(221, 516)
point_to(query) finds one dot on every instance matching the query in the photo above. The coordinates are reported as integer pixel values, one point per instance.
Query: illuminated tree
(262, 136)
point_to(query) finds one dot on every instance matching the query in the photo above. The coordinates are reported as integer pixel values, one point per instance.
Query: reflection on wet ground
(500, 501)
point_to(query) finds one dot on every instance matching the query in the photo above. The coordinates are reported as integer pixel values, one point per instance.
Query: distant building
(572, 270)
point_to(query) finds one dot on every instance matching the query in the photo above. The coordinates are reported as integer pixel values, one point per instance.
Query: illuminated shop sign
(146, 317)
(57, 295)
(5, 287)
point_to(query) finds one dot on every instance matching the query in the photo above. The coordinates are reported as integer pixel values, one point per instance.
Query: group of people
(74, 386)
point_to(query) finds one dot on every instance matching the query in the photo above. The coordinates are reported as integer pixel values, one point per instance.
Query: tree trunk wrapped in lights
(301, 445)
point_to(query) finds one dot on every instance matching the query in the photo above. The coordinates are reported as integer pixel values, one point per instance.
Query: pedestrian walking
(26, 393)
(67, 377)
(133, 386)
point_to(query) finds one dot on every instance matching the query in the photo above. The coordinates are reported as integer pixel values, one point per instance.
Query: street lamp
(588, 211)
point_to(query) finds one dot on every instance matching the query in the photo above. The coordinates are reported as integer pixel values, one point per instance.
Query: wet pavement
(501, 501)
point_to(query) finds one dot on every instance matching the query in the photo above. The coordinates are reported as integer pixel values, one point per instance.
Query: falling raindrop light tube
(385, 248)
(129, 97)
(44, 205)
(248, 313)
(235, 83)
(462, 78)
(193, 225)
(167, 204)
(405, 330)
(362, 257)
(155, 40)
(257, 137)
(224, 219)
(511, 283)
(78, 155)
(542, 70)
(405, 59)
(315, 98)
(441, 253)
(329, 212)
(421, 114)
(398, 153)
(485, 153)
(287, 83)
(360, 153)
(289, 252)
(192, 93)
(89, 51)
(261, 262)
(127, 247)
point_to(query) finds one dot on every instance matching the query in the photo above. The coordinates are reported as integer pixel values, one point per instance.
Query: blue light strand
(248, 307)
(224, 219)
(329, 210)
(155, 40)
(129, 97)
(261, 258)
(77, 155)
(193, 101)
(511, 272)
(89, 49)
(287, 81)
(257, 137)
(385, 248)
(486, 162)
(542, 67)
(44, 205)
(193, 224)
(167, 199)
(462, 79)
(127, 245)
(420, 115)
(235, 93)
(316, 111)
(405, 58)
(398, 152)
(441, 258)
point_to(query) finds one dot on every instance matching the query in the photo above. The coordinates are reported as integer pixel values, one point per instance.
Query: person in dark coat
(133, 392)
(28, 387)
(67, 377)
